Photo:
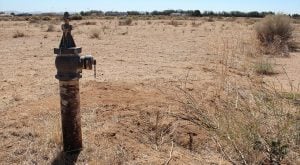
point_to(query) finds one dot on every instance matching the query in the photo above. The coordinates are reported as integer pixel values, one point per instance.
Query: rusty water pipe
(69, 65)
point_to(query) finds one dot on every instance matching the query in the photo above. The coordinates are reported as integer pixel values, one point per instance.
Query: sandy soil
(138, 68)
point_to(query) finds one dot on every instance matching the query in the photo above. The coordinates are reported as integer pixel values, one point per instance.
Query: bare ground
(126, 109)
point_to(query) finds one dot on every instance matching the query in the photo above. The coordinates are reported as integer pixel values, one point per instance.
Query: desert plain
(149, 74)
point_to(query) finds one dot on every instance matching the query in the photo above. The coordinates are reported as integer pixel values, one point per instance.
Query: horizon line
(144, 11)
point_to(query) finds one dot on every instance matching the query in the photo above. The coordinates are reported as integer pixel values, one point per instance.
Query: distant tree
(168, 12)
(296, 16)
(82, 13)
(133, 13)
(13, 14)
(155, 12)
(208, 13)
(263, 14)
(196, 13)
(237, 14)
(92, 12)
(96, 12)
(254, 14)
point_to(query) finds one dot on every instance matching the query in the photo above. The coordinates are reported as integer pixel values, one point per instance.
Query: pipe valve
(69, 63)
(87, 62)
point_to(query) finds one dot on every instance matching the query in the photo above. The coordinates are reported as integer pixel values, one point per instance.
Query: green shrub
(264, 67)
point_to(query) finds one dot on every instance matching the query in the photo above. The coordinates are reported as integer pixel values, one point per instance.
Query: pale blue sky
(287, 6)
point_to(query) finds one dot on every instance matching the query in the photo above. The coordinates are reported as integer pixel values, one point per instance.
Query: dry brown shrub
(230, 19)
(89, 23)
(175, 23)
(95, 33)
(275, 33)
(5, 18)
(196, 24)
(125, 22)
(34, 19)
(46, 18)
(250, 21)
(296, 21)
(51, 28)
(210, 19)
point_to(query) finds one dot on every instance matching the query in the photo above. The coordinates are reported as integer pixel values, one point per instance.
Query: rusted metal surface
(70, 115)
(68, 67)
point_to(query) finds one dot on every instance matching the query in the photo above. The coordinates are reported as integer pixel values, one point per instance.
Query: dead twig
(171, 153)
(239, 151)
(222, 151)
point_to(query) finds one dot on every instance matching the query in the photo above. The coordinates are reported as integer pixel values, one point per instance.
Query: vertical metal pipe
(70, 115)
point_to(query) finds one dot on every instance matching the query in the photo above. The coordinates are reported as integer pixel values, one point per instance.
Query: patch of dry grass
(196, 24)
(222, 112)
(125, 22)
(34, 19)
(249, 124)
(264, 67)
(89, 23)
(95, 33)
(175, 23)
(51, 28)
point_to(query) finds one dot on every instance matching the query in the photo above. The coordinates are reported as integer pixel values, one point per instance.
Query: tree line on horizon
(193, 13)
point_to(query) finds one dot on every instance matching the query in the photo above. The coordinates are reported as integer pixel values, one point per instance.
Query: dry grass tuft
(46, 18)
(196, 24)
(210, 19)
(251, 125)
(264, 67)
(18, 34)
(125, 22)
(89, 23)
(51, 28)
(34, 19)
(275, 33)
(95, 33)
(175, 23)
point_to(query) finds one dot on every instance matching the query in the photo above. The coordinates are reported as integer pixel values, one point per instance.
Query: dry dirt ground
(141, 69)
